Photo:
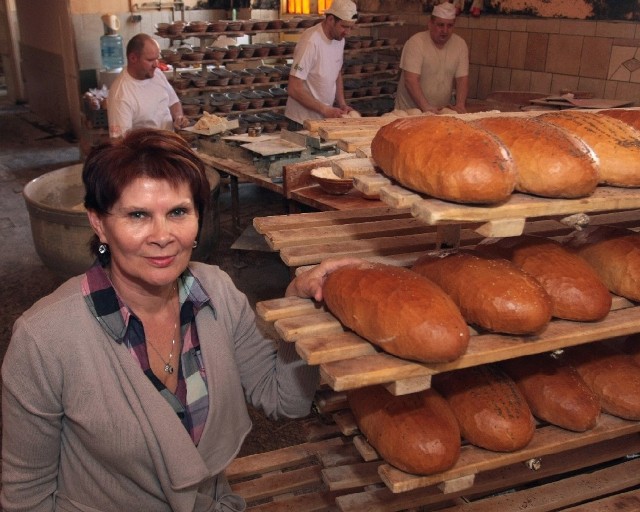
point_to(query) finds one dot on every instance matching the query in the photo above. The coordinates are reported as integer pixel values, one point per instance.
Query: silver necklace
(168, 367)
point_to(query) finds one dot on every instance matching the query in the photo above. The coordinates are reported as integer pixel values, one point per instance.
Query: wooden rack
(337, 470)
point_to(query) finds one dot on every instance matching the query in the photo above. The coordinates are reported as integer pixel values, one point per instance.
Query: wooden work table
(297, 186)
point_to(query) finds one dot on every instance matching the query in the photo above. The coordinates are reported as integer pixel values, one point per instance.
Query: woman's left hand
(309, 284)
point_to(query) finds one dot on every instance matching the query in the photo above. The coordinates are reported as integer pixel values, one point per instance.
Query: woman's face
(150, 232)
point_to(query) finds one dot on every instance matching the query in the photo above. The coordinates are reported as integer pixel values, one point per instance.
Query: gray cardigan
(85, 430)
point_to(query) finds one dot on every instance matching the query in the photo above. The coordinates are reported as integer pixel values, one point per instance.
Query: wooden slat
(624, 502)
(279, 483)
(261, 463)
(309, 502)
(362, 231)
(557, 495)
(382, 368)
(433, 211)
(341, 132)
(351, 476)
(547, 440)
(276, 309)
(322, 349)
(293, 328)
(506, 477)
(265, 225)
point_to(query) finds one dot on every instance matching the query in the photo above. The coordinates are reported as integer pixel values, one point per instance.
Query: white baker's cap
(446, 11)
(344, 9)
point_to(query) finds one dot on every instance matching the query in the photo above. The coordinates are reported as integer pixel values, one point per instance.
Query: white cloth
(318, 61)
(437, 67)
(140, 103)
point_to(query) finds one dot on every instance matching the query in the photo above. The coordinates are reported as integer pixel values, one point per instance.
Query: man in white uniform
(431, 62)
(315, 79)
(141, 95)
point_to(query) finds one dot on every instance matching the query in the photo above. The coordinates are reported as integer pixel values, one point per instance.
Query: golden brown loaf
(615, 144)
(398, 310)
(490, 292)
(549, 161)
(491, 411)
(416, 433)
(446, 158)
(610, 374)
(555, 391)
(614, 253)
(631, 117)
(576, 291)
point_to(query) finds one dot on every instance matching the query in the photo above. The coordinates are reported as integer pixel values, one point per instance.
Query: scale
(271, 154)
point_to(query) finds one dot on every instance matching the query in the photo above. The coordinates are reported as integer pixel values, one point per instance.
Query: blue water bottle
(111, 51)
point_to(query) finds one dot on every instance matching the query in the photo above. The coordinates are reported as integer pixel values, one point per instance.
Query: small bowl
(217, 26)
(260, 25)
(329, 182)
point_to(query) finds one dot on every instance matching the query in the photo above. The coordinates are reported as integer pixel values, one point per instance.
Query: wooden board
(562, 101)
(434, 211)
(547, 440)
(243, 137)
(337, 469)
(355, 232)
(350, 364)
(273, 147)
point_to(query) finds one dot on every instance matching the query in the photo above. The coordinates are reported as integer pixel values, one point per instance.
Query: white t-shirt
(437, 67)
(318, 61)
(140, 103)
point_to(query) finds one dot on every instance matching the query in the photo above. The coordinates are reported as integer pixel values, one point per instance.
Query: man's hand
(180, 122)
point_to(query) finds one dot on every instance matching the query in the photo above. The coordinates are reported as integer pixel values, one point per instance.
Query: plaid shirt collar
(115, 317)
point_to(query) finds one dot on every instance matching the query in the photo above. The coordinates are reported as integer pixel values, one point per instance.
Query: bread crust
(576, 291)
(610, 374)
(549, 161)
(614, 143)
(416, 433)
(555, 391)
(490, 292)
(446, 158)
(614, 254)
(398, 310)
(631, 117)
(489, 407)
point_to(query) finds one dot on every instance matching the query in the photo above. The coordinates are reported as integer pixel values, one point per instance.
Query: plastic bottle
(111, 51)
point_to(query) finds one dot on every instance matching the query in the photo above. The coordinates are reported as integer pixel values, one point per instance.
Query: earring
(103, 248)
(195, 244)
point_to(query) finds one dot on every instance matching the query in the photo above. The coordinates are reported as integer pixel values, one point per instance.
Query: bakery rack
(346, 361)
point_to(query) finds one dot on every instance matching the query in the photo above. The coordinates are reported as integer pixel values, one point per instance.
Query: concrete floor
(29, 148)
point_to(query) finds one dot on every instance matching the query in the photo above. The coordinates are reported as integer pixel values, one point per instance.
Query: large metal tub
(61, 230)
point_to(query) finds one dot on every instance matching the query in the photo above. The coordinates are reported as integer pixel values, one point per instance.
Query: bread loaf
(631, 117)
(614, 253)
(576, 291)
(398, 310)
(549, 162)
(416, 433)
(491, 411)
(446, 158)
(610, 374)
(613, 142)
(555, 391)
(490, 292)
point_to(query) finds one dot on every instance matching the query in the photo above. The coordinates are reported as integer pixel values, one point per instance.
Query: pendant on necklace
(168, 368)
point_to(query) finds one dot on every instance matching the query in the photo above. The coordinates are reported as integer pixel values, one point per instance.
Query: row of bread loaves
(559, 155)
(493, 406)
